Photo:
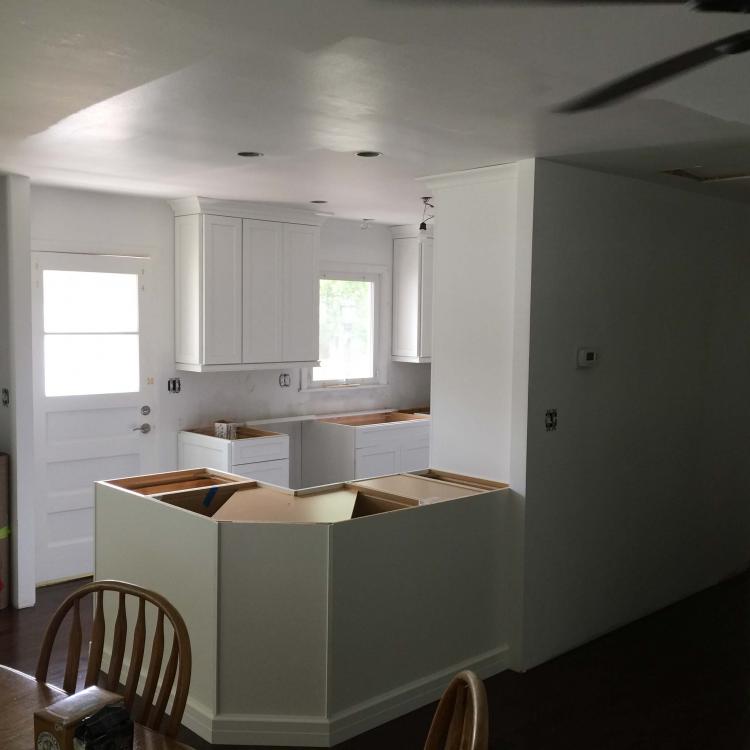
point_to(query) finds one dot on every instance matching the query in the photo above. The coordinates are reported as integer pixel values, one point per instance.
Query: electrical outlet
(174, 385)
(550, 420)
(6, 397)
(285, 380)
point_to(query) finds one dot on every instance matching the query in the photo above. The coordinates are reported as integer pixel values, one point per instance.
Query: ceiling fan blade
(661, 71)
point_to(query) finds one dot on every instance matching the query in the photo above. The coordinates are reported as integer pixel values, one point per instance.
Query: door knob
(145, 428)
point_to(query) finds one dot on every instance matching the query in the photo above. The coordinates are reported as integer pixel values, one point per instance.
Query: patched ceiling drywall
(156, 96)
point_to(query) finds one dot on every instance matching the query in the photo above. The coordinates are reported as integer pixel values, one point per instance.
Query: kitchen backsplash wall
(64, 220)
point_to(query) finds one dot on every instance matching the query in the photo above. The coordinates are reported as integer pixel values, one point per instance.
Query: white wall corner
(15, 243)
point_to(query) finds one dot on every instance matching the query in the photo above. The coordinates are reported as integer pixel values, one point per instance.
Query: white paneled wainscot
(317, 614)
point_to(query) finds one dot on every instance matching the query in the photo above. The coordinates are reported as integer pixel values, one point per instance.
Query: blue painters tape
(208, 499)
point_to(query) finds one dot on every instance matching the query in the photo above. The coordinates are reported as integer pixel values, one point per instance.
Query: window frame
(379, 276)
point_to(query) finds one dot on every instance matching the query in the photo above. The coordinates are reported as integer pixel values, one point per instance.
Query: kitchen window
(350, 328)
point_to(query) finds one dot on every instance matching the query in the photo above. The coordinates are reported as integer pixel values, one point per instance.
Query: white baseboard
(320, 731)
(413, 695)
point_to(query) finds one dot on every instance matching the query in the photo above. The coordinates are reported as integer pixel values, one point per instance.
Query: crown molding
(405, 231)
(246, 210)
(478, 176)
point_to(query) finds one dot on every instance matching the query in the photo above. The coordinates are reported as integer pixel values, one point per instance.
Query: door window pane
(85, 302)
(347, 330)
(91, 340)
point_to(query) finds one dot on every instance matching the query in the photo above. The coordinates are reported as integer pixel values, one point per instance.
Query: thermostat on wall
(587, 357)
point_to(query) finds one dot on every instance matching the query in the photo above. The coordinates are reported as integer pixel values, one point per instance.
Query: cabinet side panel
(222, 290)
(262, 285)
(174, 553)
(187, 288)
(301, 293)
(273, 619)
(328, 454)
(405, 297)
(417, 594)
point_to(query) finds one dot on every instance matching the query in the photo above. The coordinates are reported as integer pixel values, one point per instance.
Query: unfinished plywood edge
(461, 480)
(242, 433)
(365, 420)
(175, 481)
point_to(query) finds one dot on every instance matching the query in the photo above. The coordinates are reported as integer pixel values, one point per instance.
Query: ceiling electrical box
(587, 357)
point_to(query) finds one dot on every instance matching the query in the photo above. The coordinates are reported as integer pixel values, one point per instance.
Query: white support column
(16, 420)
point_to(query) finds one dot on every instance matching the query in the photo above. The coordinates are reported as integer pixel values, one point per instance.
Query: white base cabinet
(255, 454)
(341, 449)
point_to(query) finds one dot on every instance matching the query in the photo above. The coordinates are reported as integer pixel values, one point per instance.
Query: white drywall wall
(473, 320)
(483, 244)
(81, 221)
(641, 495)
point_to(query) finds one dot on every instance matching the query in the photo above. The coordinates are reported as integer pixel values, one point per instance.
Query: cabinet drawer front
(376, 461)
(387, 434)
(273, 472)
(260, 449)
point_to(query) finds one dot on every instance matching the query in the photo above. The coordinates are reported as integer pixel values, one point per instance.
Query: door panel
(222, 290)
(301, 292)
(82, 438)
(262, 267)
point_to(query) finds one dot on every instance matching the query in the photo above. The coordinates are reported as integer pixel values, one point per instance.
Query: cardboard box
(55, 725)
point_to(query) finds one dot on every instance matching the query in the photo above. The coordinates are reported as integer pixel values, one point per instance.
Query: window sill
(341, 388)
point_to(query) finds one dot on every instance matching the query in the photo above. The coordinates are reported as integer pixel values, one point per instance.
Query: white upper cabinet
(222, 290)
(300, 336)
(262, 282)
(246, 285)
(412, 296)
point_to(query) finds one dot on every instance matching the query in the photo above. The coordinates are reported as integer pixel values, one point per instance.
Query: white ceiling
(157, 96)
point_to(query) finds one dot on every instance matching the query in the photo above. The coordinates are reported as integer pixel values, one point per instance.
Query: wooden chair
(178, 665)
(460, 721)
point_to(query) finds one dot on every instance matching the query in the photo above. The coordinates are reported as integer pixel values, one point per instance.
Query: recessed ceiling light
(318, 201)
(249, 154)
(369, 154)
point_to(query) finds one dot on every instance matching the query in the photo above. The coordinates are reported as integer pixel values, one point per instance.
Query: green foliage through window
(347, 330)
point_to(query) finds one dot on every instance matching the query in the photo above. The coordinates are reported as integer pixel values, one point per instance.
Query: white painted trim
(408, 231)
(413, 360)
(382, 277)
(320, 731)
(239, 367)
(413, 695)
(245, 210)
(478, 176)
(15, 199)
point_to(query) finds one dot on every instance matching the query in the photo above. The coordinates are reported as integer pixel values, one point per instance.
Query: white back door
(93, 396)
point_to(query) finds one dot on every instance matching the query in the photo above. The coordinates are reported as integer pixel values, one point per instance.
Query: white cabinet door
(377, 460)
(273, 472)
(425, 293)
(406, 297)
(222, 290)
(262, 290)
(301, 289)
(415, 456)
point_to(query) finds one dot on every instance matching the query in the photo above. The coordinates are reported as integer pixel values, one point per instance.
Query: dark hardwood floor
(677, 680)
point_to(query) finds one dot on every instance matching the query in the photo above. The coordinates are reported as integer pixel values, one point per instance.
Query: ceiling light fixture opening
(318, 201)
(249, 154)
(369, 154)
